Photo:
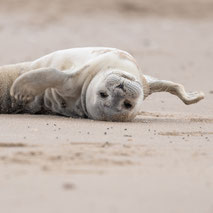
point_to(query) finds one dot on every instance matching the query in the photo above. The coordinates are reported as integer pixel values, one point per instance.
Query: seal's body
(8, 74)
(99, 83)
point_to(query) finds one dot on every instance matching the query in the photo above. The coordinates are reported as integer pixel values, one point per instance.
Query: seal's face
(114, 97)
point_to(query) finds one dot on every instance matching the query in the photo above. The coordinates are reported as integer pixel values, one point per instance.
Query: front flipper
(156, 85)
(34, 83)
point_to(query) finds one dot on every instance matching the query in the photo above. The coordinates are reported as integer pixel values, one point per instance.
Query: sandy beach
(162, 161)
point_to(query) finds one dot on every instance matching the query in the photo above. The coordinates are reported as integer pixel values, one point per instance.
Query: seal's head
(113, 96)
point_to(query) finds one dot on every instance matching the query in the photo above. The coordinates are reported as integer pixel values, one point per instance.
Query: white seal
(97, 83)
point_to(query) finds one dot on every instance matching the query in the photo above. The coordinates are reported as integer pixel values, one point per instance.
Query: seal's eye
(127, 104)
(103, 94)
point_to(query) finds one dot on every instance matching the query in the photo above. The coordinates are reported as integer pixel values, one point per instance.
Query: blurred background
(171, 39)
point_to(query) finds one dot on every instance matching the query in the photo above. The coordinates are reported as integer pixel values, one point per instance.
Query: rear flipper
(156, 85)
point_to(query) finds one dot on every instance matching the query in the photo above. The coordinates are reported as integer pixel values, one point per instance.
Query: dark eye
(127, 104)
(103, 94)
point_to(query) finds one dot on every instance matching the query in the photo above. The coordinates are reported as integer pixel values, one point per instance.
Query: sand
(161, 162)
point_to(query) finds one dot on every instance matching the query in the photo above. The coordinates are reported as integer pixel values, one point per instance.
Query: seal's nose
(120, 86)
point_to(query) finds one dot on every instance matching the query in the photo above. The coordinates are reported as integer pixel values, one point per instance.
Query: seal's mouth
(121, 74)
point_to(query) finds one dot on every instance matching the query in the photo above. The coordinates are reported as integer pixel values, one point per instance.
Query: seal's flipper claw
(193, 97)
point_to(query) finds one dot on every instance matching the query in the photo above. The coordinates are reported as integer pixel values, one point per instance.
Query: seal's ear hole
(127, 104)
(103, 94)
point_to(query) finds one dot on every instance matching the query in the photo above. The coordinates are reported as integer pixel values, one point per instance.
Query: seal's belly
(56, 103)
(70, 59)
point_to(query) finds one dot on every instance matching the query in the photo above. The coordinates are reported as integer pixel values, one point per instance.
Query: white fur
(69, 82)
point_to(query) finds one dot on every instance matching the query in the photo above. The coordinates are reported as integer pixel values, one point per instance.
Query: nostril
(121, 86)
(127, 104)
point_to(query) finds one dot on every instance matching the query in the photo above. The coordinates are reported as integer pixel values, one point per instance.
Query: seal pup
(94, 82)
